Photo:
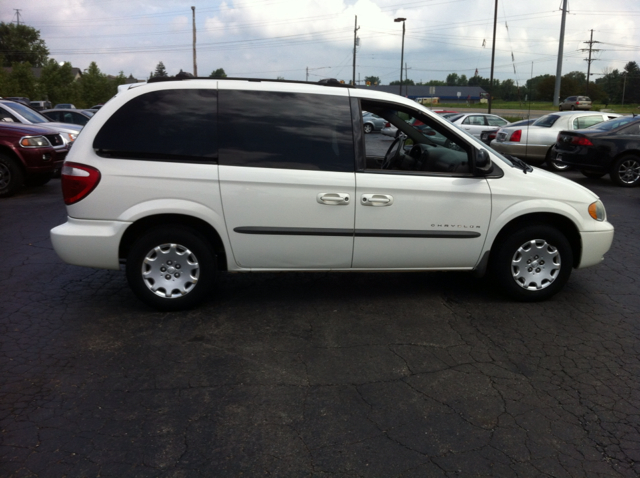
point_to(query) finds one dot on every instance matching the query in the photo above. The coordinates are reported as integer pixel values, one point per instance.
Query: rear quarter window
(170, 125)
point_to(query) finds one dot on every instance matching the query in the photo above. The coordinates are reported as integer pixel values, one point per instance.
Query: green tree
(20, 44)
(55, 83)
(452, 79)
(406, 81)
(94, 87)
(219, 73)
(21, 82)
(372, 80)
(435, 83)
(161, 71)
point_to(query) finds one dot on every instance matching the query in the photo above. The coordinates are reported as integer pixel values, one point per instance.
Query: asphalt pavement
(316, 374)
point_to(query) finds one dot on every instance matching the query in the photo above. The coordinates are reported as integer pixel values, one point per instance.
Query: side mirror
(482, 163)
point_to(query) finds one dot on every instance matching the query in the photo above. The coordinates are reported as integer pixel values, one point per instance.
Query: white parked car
(476, 123)
(288, 185)
(534, 143)
(12, 112)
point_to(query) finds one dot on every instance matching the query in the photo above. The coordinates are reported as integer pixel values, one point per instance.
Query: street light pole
(401, 54)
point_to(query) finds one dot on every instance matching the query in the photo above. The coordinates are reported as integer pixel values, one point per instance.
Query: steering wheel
(392, 155)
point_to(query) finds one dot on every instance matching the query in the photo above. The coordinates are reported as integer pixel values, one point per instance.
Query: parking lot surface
(316, 374)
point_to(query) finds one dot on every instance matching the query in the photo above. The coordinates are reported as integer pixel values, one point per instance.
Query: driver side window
(413, 143)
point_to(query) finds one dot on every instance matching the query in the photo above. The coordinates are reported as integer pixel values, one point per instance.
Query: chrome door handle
(333, 199)
(376, 200)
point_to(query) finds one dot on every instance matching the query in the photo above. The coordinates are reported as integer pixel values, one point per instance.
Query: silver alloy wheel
(170, 271)
(559, 166)
(535, 265)
(629, 171)
(5, 176)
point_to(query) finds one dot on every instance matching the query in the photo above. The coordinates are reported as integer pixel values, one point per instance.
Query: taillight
(387, 125)
(78, 180)
(581, 141)
(516, 136)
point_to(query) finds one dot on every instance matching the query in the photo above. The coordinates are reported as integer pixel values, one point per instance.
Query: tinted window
(612, 124)
(286, 130)
(633, 130)
(172, 125)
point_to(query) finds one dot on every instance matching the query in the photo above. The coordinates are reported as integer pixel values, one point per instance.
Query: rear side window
(286, 130)
(170, 125)
(586, 121)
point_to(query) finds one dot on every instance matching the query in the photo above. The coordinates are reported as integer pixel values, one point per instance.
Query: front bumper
(594, 246)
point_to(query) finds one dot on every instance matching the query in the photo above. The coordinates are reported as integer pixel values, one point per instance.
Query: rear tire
(171, 268)
(554, 165)
(626, 171)
(11, 176)
(533, 263)
(368, 128)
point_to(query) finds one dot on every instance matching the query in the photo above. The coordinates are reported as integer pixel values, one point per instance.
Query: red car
(28, 155)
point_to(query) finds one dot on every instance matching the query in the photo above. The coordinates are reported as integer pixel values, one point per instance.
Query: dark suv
(28, 154)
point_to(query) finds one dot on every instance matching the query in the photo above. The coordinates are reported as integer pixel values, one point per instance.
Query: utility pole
(493, 55)
(590, 49)
(18, 10)
(397, 20)
(556, 91)
(195, 66)
(355, 44)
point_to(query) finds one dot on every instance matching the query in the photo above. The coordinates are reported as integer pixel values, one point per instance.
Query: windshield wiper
(525, 167)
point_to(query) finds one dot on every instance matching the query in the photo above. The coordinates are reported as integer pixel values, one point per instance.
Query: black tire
(368, 128)
(592, 174)
(533, 263)
(626, 171)
(184, 251)
(39, 179)
(11, 176)
(554, 165)
(573, 108)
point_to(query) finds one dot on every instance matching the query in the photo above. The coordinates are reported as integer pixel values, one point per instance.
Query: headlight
(34, 142)
(597, 211)
(69, 137)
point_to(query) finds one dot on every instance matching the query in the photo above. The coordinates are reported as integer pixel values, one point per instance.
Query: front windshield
(546, 121)
(612, 124)
(27, 113)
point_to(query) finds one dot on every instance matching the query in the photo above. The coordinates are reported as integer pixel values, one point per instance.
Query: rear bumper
(89, 243)
(592, 162)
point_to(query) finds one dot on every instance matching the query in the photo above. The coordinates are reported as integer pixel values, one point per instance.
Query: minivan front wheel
(533, 263)
(171, 268)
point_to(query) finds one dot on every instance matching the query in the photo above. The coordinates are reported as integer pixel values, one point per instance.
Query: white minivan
(180, 179)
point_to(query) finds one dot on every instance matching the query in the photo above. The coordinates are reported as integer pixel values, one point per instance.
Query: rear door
(287, 177)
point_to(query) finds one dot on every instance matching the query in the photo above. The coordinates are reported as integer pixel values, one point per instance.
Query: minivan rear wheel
(171, 268)
(533, 263)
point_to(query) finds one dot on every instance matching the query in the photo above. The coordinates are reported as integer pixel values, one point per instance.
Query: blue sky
(282, 38)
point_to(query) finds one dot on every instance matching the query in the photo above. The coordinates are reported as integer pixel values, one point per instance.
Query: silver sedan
(371, 122)
(533, 143)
